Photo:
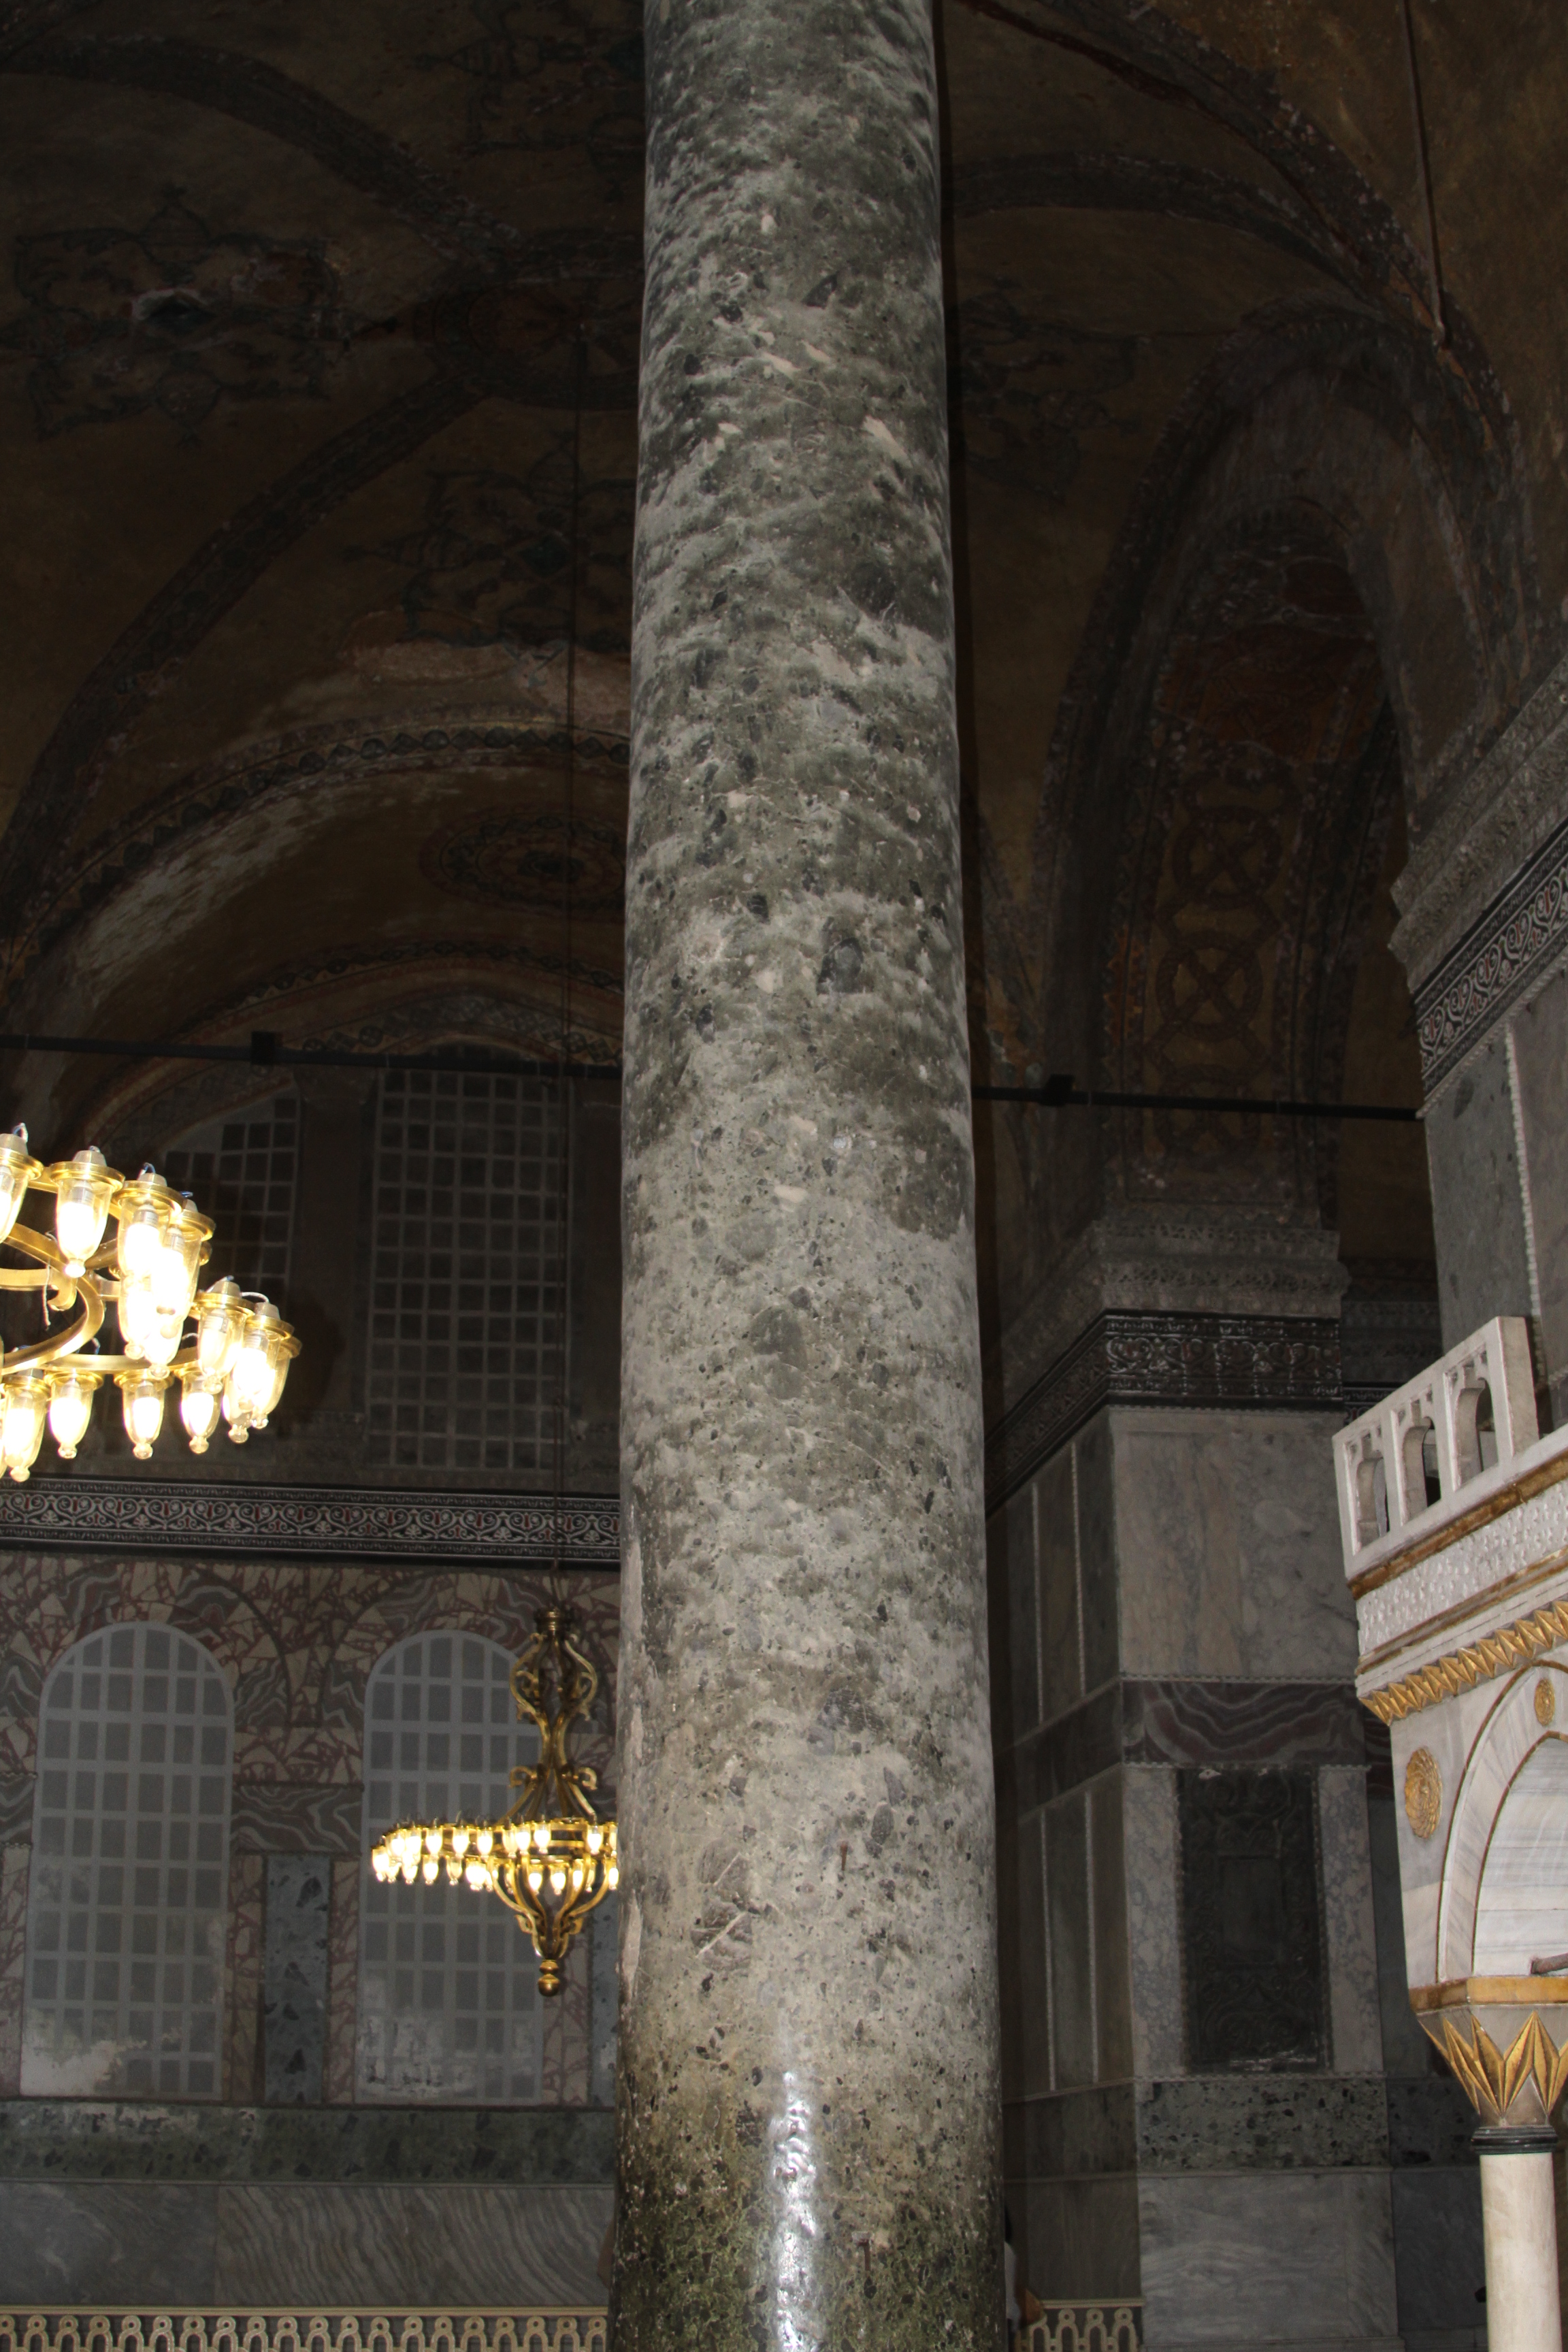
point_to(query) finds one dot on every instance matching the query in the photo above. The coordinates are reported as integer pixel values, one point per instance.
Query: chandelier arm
(60, 1343)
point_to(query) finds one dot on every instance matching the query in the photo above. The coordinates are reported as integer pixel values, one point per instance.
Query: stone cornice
(1138, 1357)
(1496, 823)
(226, 1519)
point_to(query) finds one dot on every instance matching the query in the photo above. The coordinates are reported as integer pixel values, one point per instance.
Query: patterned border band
(1146, 1358)
(1514, 1646)
(1501, 957)
(310, 1522)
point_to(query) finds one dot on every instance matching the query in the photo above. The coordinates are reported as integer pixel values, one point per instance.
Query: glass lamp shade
(83, 1189)
(179, 1260)
(142, 1212)
(221, 1318)
(137, 1314)
(23, 1403)
(142, 1405)
(17, 1170)
(70, 1410)
(164, 1333)
(201, 1406)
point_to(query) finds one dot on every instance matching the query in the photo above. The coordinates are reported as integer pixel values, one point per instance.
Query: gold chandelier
(552, 1859)
(234, 1366)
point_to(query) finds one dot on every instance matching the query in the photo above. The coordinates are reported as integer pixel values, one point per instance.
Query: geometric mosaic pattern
(448, 2009)
(466, 1305)
(127, 1907)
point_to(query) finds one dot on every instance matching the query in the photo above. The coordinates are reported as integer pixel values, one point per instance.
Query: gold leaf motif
(1422, 1792)
(1545, 1700)
(1514, 1644)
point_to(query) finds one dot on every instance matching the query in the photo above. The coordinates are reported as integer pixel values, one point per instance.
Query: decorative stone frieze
(230, 1520)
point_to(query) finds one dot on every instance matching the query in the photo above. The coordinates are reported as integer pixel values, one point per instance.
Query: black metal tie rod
(267, 1051)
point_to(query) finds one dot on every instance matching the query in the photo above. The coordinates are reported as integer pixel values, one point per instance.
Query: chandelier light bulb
(220, 1327)
(17, 1170)
(85, 1186)
(142, 1408)
(24, 1401)
(178, 1263)
(70, 1412)
(160, 1343)
(201, 1406)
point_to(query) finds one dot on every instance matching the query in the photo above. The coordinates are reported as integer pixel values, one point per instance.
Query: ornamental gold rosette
(232, 1368)
(552, 1859)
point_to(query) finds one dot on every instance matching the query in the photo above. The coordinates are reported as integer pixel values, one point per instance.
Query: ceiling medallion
(552, 1859)
(232, 1368)
(538, 862)
(1422, 1792)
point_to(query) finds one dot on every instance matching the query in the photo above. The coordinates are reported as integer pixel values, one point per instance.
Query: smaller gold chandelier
(552, 1859)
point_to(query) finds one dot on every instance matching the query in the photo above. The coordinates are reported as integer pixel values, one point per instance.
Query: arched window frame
(448, 2009)
(128, 1891)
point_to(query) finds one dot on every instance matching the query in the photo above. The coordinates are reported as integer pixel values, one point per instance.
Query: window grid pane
(467, 1314)
(128, 1892)
(449, 2005)
(241, 1172)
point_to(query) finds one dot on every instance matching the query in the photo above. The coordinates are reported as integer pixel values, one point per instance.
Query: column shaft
(1519, 2216)
(807, 2125)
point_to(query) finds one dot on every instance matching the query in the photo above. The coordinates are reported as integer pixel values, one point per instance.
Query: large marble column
(807, 2126)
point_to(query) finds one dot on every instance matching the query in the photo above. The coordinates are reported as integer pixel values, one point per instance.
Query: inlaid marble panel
(13, 1876)
(1354, 2027)
(1282, 2257)
(373, 2245)
(294, 1978)
(97, 2243)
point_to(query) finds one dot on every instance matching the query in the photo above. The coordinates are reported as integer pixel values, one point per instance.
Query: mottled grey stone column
(807, 2092)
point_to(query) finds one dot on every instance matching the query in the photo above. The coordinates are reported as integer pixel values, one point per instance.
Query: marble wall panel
(1229, 2122)
(1095, 1472)
(242, 1976)
(342, 2039)
(564, 2029)
(100, 2243)
(603, 1999)
(16, 1789)
(1355, 2030)
(1541, 1072)
(1071, 2134)
(1439, 2260)
(1080, 2238)
(13, 1875)
(1406, 2049)
(1168, 1721)
(1056, 1551)
(136, 2140)
(373, 2246)
(1010, 1550)
(1154, 1938)
(1266, 2257)
(294, 1978)
(1031, 1958)
(1478, 1203)
(1227, 1538)
(1108, 1887)
(1069, 1916)
(1061, 1755)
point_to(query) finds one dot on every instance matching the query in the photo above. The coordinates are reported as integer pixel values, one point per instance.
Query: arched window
(128, 1894)
(449, 2007)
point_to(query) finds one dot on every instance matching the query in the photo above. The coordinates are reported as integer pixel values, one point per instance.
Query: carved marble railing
(305, 2331)
(1084, 2327)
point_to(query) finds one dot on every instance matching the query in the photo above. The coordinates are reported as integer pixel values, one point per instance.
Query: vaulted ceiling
(318, 367)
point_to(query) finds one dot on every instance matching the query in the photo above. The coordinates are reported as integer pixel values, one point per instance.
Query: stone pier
(808, 2108)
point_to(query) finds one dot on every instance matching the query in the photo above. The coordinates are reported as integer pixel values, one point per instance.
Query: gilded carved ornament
(1512, 1645)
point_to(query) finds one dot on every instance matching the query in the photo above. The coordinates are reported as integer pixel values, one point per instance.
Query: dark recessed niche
(1252, 1942)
